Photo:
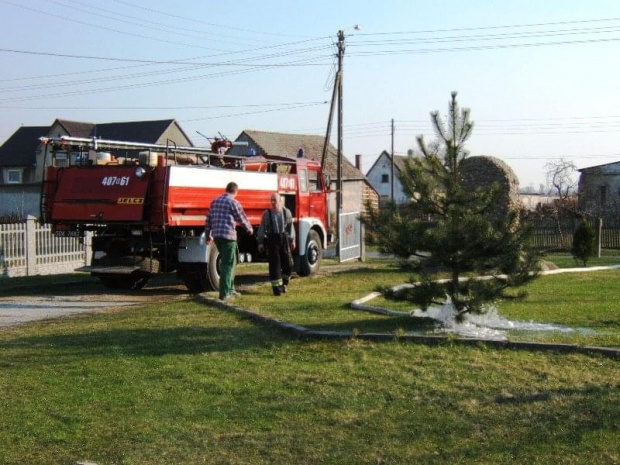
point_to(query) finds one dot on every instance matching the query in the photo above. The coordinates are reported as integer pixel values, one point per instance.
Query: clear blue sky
(540, 77)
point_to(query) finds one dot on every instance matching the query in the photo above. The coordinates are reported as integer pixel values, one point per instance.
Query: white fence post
(88, 247)
(31, 245)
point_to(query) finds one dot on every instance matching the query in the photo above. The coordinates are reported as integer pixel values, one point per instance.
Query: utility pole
(337, 92)
(392, 175)
(340, 111)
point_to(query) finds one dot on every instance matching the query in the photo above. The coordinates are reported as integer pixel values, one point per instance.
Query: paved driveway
(17, 310)
(69, 300)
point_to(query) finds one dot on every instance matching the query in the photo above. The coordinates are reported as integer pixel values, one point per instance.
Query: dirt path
(71, 299)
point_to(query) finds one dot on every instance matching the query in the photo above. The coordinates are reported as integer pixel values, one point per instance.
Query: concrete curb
(301, 331)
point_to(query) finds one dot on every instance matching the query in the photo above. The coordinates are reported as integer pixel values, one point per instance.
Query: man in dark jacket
(277, 231)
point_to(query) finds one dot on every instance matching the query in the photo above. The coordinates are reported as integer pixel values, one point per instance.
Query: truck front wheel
(310, 263)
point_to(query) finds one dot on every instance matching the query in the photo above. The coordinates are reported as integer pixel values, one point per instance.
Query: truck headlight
(140, 172)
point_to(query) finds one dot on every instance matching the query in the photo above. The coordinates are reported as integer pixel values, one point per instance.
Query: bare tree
(561, 179)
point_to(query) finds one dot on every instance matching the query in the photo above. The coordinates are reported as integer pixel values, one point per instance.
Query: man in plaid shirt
(224, 214)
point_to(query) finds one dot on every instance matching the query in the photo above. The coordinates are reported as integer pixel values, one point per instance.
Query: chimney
(358, 161)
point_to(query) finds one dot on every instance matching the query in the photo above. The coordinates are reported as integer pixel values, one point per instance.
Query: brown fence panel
(546, 234)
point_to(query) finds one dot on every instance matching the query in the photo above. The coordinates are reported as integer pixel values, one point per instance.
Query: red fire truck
(146, 206)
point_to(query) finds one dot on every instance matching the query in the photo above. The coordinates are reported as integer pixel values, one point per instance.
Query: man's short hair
(232, 187)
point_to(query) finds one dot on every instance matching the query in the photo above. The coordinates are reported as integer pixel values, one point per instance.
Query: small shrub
(583, 243)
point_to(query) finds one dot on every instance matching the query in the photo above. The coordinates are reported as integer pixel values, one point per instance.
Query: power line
(130, 86)
(97, 26)
(558, 157)
(190, 59)
(551, 118)
(533, 157)
(482, 28)
(123, 19)
(165, 62)
(486, 37)
(194, 20)
(256, 112)
(184, 107)
(133, 76)
(479, 47)
(187, 67)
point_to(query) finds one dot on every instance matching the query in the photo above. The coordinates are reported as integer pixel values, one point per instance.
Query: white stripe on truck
(184, 176)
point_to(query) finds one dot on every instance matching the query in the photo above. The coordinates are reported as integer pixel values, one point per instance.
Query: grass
(566, 260)
(585, 301)
(183, 382)
(187, 383)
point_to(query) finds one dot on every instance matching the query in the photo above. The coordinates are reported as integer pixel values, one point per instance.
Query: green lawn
(587, 302)
(181, 382)
(566, 260)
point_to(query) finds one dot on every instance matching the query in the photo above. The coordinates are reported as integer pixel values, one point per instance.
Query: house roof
(599, 167)
(74, 128)
(399, 160)
(287, 145)
(148, 132)
(20, 149)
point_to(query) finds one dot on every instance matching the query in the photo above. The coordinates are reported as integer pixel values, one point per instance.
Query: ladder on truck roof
(83, 143)
(102, 144)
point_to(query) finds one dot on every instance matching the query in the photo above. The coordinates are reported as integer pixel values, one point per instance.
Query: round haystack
(483, 171)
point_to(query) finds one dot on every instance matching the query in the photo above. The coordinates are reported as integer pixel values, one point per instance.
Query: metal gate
(350, 236)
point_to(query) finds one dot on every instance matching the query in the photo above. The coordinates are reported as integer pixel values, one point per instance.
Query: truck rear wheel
(202, 277)
(310, 263)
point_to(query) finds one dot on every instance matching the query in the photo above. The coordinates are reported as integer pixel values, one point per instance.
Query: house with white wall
(380, 177)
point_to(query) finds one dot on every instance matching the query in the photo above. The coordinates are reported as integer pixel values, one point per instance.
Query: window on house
(14, 176)
(385, 178)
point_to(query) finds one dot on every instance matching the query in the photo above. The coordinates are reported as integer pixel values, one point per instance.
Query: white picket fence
(29, 249)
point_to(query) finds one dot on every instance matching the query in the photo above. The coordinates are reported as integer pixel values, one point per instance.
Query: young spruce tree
(466, 233)
(584, 243)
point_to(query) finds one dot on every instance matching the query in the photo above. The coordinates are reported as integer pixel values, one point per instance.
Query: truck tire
(310, 263)
(213, 269)
(202, 277)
